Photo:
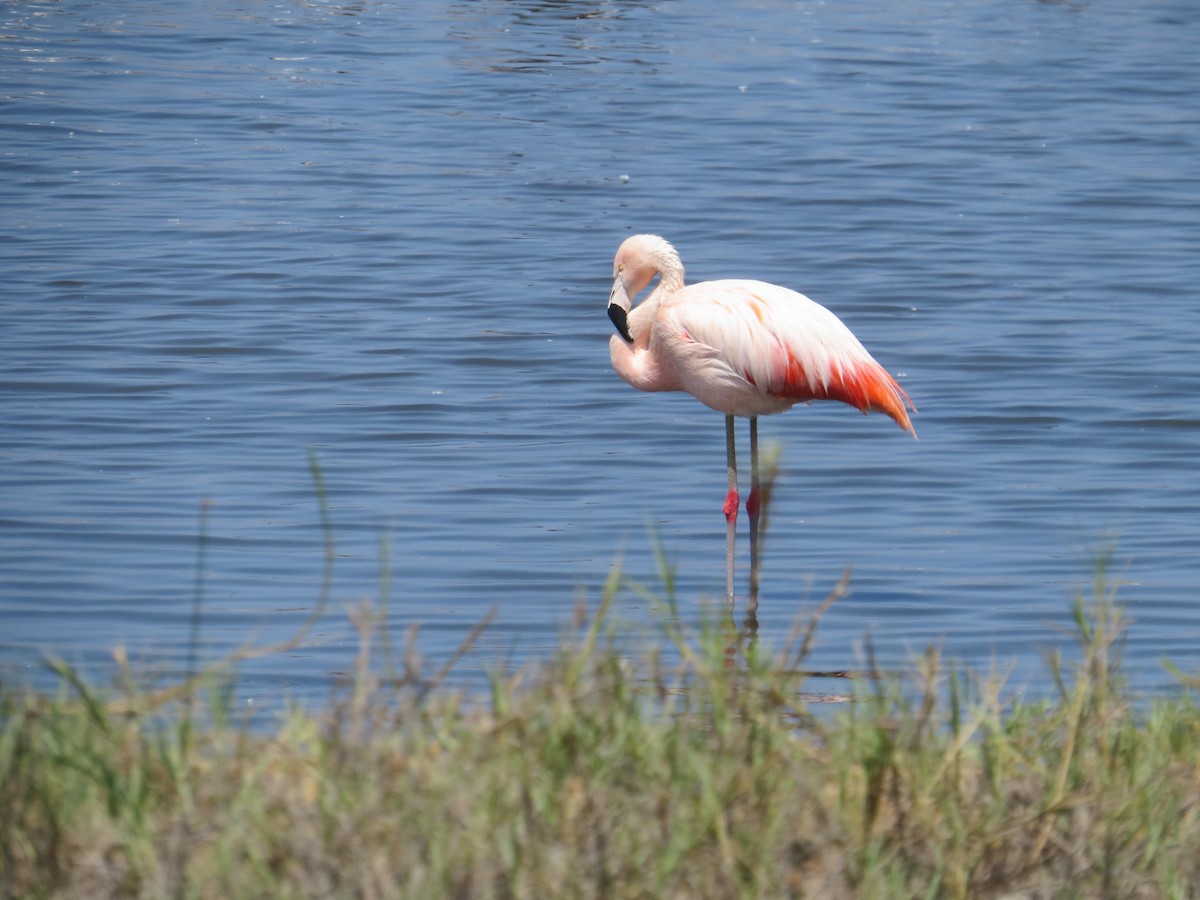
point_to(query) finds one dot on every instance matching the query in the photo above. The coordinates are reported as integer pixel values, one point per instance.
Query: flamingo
(744, 348)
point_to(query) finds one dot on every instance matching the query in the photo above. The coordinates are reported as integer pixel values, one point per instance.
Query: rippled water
(236, 232)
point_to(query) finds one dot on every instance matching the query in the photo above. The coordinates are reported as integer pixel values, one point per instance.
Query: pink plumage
(743, 348)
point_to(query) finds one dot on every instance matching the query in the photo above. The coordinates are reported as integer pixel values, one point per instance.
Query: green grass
(605, 772)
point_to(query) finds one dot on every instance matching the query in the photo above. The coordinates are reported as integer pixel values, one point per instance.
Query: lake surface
(234, 233)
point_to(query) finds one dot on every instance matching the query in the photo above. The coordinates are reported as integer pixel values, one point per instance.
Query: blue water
(234, 233)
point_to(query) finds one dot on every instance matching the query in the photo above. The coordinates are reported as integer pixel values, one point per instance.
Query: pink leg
(731, 507)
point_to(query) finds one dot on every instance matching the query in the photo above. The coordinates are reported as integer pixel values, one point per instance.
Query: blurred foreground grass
(603, 774)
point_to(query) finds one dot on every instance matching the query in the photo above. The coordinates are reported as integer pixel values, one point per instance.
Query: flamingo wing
(769, 344)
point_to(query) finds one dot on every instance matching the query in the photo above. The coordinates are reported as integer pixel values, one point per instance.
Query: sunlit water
(234, 233)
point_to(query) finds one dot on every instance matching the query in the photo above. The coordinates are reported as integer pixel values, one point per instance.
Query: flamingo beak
(619, 306)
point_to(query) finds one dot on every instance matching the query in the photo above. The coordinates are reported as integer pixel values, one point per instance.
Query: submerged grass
(604, 774)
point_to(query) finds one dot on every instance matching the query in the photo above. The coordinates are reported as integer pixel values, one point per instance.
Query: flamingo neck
(670, 280)
(636, 362)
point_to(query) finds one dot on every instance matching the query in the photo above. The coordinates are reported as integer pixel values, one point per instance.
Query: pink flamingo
(743, 348)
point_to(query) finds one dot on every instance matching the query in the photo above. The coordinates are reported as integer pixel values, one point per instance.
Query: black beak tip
(620, 319)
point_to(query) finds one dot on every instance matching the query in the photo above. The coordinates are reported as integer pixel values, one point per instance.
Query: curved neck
(636, 362)
(670, 280)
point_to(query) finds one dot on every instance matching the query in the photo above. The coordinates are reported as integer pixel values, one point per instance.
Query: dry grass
(606, 773)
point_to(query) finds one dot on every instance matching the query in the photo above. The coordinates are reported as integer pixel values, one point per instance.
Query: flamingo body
(743, 348)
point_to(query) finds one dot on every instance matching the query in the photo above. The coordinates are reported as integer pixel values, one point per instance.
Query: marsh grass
(598, 774)
(685, 767)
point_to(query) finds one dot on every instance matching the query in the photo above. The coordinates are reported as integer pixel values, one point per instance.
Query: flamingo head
(638, 260)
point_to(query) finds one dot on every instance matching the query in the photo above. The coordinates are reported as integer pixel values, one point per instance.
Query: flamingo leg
(731, 506)
(753, 509)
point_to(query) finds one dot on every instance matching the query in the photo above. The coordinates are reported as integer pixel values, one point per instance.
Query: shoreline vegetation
(686, 767)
